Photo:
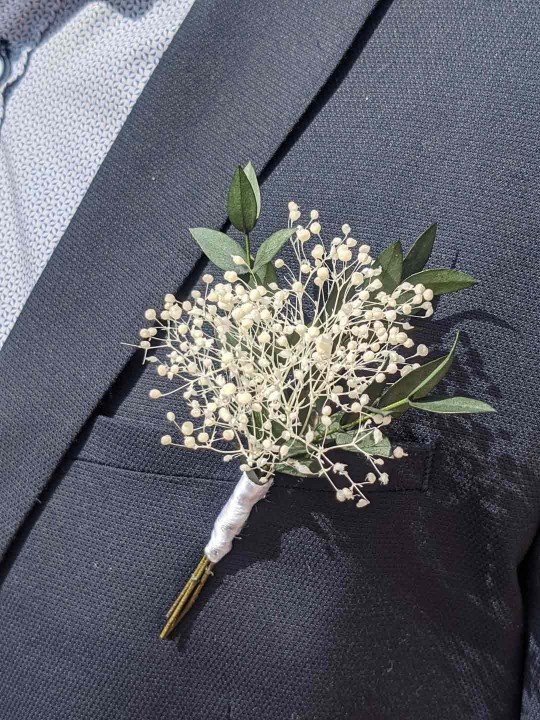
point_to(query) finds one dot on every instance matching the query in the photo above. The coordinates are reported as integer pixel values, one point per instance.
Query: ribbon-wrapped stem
(229, 522)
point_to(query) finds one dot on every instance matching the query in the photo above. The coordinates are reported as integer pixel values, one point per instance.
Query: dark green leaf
(366, 444)
(329, 303)
(266, 275)
(252, 475)
(443, 281)
(428, 383)
(241, 203)
(391, 262)
(271, 246)
(418, 382)
(219, 248)
(450, 405)
(420, 252)
(252, 177)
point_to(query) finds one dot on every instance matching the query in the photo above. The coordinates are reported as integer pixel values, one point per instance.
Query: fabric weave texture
(427, 603)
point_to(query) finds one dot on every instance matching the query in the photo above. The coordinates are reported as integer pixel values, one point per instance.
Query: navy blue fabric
(213, 100)
(427, 603)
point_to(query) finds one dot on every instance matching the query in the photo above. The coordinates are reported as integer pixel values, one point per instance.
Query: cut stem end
(188, 595)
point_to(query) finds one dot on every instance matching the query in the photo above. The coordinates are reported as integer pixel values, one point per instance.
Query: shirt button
(4, 62)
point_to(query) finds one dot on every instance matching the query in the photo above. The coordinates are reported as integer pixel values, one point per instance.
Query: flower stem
(188, 595)
(248, 250)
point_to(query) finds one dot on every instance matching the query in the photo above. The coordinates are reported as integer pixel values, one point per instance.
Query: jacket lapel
(230, 87)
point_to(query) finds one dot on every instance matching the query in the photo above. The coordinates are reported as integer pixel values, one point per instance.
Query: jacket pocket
(132, 445)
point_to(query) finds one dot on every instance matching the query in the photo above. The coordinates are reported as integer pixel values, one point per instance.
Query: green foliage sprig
(288, 364)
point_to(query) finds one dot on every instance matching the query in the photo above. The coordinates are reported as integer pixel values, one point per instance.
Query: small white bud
(315, 228)
(154, 394)
(187, 428)
(318, 252)
(166, 440)
(228, 390)
(323, 273)
(343, 253)
(345, 229)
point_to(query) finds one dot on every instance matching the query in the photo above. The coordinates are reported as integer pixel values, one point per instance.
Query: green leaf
(271, 246)
(427, 385)
(451, 405)
(242, 203)
(219, 248)
(366, 445)
(329, 303)
(417, 257)
(252, 177)
(266, 275)
(391, 262)
(419, 382)
(443, 281)
(334, 426)
(299, 467)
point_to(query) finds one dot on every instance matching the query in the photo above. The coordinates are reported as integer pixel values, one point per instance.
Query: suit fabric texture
(385, 115)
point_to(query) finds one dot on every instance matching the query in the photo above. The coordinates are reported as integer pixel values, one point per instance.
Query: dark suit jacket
(387, 115)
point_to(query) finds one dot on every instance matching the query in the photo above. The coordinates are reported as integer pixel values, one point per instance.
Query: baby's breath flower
(269, 371)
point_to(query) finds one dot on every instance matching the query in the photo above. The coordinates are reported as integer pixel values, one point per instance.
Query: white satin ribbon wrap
(233, 516)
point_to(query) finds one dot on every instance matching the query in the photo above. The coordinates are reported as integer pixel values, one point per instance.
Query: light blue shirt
(60, 114)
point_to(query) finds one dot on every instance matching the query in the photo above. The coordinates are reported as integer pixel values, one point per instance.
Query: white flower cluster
(268, 372)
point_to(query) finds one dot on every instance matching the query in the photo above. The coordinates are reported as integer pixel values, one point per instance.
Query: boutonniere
(282, 362)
